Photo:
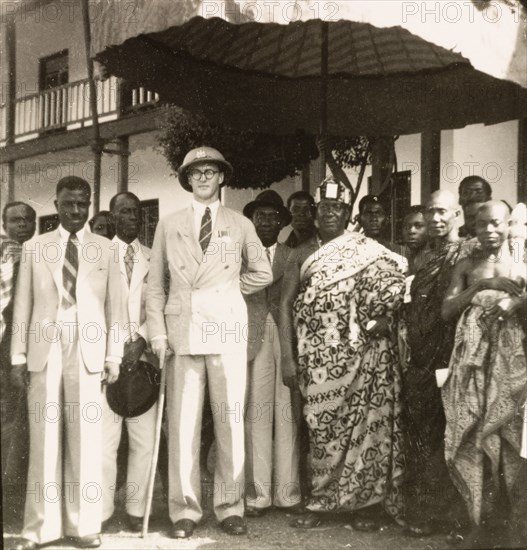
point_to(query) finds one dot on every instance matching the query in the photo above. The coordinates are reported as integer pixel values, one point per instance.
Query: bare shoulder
(301, 253)
(466, 265)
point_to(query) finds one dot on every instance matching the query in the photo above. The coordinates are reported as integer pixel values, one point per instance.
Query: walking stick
(153, 462)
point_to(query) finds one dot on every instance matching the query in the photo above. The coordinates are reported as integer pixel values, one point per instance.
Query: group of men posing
(329, 335)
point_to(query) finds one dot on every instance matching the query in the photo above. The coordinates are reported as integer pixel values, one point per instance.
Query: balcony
(68, 107)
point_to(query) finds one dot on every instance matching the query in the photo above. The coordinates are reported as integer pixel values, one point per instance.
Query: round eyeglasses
(198, 174)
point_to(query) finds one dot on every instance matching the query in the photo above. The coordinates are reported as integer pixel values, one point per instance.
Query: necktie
(69, 272)
(268, 252)
(206, 230)
(129, 262)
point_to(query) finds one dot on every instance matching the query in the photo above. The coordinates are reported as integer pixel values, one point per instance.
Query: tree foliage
(258, 159)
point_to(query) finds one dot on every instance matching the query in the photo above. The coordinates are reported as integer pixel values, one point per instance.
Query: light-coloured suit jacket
(200, 296)
(265, 301)
(37, 301)
(133, 295)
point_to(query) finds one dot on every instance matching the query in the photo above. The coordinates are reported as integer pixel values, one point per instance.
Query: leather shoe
(135, 524)
(183, 529)
(297, 509)
(89, 541)
(234, 525)
(25, 544)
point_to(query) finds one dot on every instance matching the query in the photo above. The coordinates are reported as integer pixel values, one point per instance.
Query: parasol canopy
(270, 77)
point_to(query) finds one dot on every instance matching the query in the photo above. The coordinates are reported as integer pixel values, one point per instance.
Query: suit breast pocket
(97, 280)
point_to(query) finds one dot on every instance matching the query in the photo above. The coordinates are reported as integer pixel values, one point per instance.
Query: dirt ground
(273, 530)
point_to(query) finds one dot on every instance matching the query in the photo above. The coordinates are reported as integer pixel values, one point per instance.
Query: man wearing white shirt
(201, 317)
(134, 260)
(66, 310)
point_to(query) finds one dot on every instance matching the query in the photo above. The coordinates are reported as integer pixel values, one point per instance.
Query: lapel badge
(223, 233)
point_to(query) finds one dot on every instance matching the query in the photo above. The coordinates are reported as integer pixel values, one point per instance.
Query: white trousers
(141, 436)
(186, 377)
(64, 496)
(271, 434)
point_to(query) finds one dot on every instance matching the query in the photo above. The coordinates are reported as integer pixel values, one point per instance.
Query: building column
(123, 146)
(7, 181)
(522, 161)
(10, 45)
(430, 163)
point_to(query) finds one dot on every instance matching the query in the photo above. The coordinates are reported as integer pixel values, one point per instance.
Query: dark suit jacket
(264, 301)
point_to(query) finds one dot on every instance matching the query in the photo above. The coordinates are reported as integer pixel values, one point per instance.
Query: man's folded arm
(258, 272)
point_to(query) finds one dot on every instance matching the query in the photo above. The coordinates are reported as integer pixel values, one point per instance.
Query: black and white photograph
(263, 274)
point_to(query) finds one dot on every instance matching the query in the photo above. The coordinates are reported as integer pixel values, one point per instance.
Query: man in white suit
(134, 260)
(271, 434)
(66, 310)
(202, 317)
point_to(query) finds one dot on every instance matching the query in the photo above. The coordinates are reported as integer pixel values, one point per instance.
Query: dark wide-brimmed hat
(271, 199)
(202, 154)
(135, 391)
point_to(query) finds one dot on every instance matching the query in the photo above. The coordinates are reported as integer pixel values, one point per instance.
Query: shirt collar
(122, 246)
(199, 207)
(65, 235)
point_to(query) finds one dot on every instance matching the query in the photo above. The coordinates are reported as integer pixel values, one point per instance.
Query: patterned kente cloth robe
(483, 399)
(430, 493)
(351, 383)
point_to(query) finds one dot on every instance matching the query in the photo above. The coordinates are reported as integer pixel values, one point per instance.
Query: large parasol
(340, 76)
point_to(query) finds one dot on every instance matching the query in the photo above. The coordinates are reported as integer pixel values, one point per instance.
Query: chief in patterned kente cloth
(340, 292)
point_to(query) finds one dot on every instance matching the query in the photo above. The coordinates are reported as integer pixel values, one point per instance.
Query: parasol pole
(96, 143)
(324, 57)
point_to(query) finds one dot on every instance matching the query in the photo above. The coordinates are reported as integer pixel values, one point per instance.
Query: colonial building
(46, 130)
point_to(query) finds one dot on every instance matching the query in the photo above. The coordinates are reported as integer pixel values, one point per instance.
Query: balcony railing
(68, 107)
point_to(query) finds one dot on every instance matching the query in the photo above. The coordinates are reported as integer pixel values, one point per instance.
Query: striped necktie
(205, 231)
(129, 262)
(69, 272)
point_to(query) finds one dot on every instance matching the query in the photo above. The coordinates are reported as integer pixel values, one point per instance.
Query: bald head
(444, 198)
(441, 213)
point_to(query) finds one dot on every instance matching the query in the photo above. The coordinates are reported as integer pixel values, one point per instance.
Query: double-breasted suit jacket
(205, 290)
